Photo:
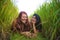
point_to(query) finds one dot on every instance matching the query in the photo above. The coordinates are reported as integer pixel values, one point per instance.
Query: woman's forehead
(24, 14)
(34, 16)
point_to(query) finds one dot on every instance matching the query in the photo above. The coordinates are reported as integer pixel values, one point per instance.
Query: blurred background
(48, 10)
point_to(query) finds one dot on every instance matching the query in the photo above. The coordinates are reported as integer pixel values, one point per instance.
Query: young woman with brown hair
(21, 24)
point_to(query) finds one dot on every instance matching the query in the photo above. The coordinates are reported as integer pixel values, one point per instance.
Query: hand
(28, 34)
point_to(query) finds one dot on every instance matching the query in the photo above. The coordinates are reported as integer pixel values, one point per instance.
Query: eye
(25, 17)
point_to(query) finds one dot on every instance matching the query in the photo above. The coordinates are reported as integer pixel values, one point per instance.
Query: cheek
(34, 20)
(22, 18)
(26, 18)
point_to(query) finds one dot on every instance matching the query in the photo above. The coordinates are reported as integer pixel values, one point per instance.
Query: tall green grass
(50, 16)
(7, 14)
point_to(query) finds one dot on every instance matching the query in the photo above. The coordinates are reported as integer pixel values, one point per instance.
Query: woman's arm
(34, 28)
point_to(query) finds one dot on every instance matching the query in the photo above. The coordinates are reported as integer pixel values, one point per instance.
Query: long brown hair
(19, 25)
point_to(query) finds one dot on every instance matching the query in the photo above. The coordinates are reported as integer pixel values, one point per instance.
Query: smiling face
(33, 20)
(24, 18)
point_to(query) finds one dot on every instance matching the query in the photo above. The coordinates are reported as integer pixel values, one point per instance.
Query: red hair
(20, 14)
(19, 25)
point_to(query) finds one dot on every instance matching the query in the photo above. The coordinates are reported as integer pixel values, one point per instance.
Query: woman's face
(33, 20)
(24, 18)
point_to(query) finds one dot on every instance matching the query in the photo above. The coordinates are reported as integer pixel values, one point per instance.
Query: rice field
(48, 12)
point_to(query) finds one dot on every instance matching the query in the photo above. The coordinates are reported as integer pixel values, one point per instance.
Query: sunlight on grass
(48, 12)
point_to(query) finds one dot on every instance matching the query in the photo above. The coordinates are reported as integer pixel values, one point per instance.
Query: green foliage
(17, 36)
(49, 15)
(7, 14)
